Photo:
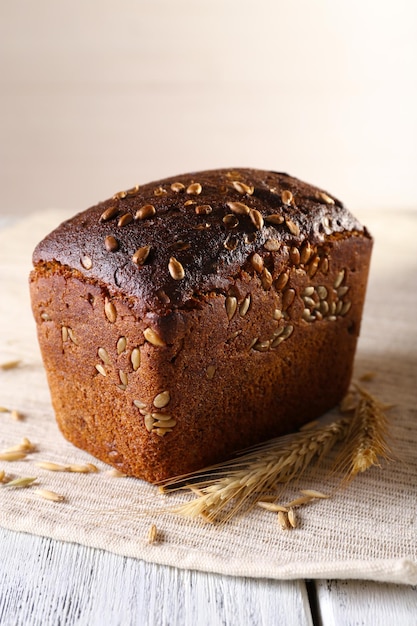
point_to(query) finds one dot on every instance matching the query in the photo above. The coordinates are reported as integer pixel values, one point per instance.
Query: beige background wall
(99, 95)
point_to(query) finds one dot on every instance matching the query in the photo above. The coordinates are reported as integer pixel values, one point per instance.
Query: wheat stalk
(224, 489)
(366, 439)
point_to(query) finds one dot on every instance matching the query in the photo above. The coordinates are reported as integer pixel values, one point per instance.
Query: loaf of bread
(186, 319)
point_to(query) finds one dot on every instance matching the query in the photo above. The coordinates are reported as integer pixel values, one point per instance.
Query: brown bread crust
(181, 333)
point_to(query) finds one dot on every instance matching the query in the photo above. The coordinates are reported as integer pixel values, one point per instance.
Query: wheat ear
(224, 489)
(366, 439)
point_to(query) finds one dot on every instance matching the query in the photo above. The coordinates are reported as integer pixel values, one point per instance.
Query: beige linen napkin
(368, 530)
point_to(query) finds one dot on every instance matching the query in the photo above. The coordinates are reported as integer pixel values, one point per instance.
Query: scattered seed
(189, 202)
(72, 336)
(308, 291)
(274, 219)
(272, 245)
(194, 189)
(103, 354)
(341, 291)
(345, 308)
(287, 298)
(230, 221)
(262, 346)
(164, 423)
(12, 455)
(286, 197)
(52, 467)
(203, 209)
(64, 333)
(339, 279)
(244, 306)
(152, 337)
(283, 520)
(277, 314)
(288, 331)
(146, 211)
(233, 335)
(309, 302)
(257, 262)
(210, 371)
(86, 262)
(339, 305)
(49, 495)
(123, 377)
(271, 506)
(242, 188)
(282, 280)
(306, 252)
(230, 243)
(313, 266)
(163, 297)
(10, 365)
(162, 399)
(125, 219)
(81, 469)
(2, 475)
(120, 195)
(26, 445)
(312, 493)
(177, 187)
(161, 417)
(295, 256)
(101, 369)
(293, 227)
(239, 208)
(149, 421)
(133, 191)
(324, 265)
(292, 518)
(231, 305)
(323, 196)
(152, 534)
(139, 404)
(266, 279)
(110, 311)
(139, 257)
(135, 359)
(121, 345)
(159, 191)
(111, 244)
(256, 219)
(367, 377)
(299, 501)
(324, 307)
(115, 473)
(321, 292)
(20, 483)
(109, 213)
(162, 431)
(175, 269)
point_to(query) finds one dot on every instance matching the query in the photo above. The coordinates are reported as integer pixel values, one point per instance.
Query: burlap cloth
(368, 530)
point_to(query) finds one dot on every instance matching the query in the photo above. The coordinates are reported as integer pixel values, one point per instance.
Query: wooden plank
(46, 582)
(366, 603)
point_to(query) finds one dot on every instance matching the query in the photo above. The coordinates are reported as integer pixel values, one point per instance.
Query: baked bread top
(170, 242)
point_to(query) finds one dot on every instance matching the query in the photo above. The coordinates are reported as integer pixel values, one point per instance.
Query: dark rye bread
(185, 319)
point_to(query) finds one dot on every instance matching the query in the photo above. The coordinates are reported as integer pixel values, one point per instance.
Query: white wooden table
(49, 583)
